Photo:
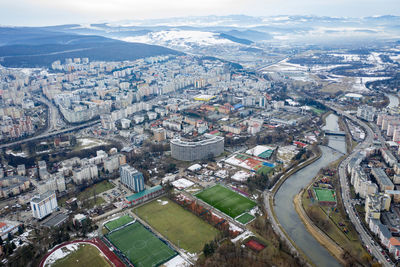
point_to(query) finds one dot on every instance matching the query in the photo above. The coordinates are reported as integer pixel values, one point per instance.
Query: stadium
(226, 200)
(137, 245)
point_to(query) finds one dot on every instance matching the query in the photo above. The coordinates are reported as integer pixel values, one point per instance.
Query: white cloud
(41, 12)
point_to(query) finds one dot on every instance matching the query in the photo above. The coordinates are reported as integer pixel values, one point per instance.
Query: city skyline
(44, 12)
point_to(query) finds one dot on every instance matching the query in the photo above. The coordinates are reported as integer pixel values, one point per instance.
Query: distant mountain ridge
(39, 47)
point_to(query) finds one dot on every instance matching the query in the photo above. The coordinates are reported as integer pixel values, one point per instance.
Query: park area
(178, 225)
(141, 246)
(225, 200)
(121, 221)
(77, 255)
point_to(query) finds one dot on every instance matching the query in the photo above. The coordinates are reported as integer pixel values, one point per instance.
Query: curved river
(393, 101)
(284, 207)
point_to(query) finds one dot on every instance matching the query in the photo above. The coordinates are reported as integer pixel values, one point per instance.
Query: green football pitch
(118, 222)
(141, 246)
(325, 194)
(178, 225)
(245, 218)
(226, 200)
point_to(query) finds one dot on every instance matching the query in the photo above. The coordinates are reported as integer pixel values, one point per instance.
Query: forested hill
(35, 47)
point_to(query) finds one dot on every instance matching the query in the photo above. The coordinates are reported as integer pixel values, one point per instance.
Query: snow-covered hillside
(180, 39)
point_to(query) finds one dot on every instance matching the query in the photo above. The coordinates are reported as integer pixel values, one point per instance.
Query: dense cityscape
(170, 142)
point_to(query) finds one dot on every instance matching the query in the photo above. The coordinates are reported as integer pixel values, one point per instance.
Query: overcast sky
(53, 12)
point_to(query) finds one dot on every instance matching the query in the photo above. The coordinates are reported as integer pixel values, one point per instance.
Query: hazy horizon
(47, 12)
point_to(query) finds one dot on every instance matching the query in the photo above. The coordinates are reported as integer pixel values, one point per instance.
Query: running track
(95, 242)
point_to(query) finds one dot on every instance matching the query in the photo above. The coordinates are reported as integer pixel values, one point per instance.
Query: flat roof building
(44, 204)
(131, 178)
(211, 145)
(382, 179)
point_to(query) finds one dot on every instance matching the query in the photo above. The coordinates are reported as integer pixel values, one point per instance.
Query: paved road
(54, 120)
(345, 187)
(49, 134)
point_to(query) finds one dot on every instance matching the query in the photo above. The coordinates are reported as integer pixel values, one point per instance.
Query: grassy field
(226, 200)
(348, 241)
(264, 170)
(317, 111)
(118, 222)
(245, 218)
(141, 246)
(86, 255)
(96, 188)
(325, 194)
(181, 227)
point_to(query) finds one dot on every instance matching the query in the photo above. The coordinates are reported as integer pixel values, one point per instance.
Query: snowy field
(182, 183)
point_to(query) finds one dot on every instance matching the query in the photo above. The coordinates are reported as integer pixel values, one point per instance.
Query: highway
(345, 187)
(53, 119)
(49, 134)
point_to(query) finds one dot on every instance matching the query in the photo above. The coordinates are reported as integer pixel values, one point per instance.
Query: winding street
(345, 187)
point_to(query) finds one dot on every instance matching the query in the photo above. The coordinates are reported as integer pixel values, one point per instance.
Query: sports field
(86, 255)
(325, 194)
(118, 222)
(141, 246)
(178, 225)
(245, 218)
(226, 200)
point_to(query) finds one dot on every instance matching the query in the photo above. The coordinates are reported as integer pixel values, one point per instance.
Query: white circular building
(211, 145)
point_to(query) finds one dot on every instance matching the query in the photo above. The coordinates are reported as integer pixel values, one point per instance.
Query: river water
(393, 101)
(284, 207)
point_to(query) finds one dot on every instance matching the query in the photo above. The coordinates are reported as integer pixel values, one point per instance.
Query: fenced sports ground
(226, 200)
(141, 246)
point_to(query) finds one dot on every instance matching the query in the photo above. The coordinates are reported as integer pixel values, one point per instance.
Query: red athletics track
(95, 242)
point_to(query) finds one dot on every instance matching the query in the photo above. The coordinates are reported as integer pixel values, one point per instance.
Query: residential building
(131, 178)
(44, 204)
(210, 145)
(382, 179)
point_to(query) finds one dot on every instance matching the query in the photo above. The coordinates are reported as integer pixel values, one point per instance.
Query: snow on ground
(19, 154)
(359, 84)
(193, 190)
(233, 227)
(162, 202)
(177, 261)
(61, 253)
(87, 143)
(176, 38)
(114, 218)
(237, 162)
(221, 173)
(285, 66)
(395, 58)
(254, 211)
(168, 178)
(257, 150)
(241, 176)
(347, 57)
(242, 236)
(182, 183)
